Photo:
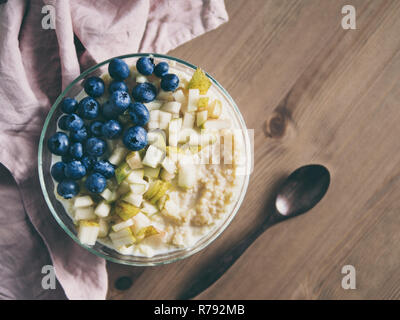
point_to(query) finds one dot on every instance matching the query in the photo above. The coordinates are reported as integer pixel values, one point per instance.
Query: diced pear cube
(154, 188)
(193, 98)
(153, 125)
(118, 155)
(122, 172)
(201, 117)
(122, 225)
(154, 105)
(179, 96)
(108, 195)
(84, 201)
(187, 176)
(154, 116)
(135, 199)
(171, 107)
(153, 157)
(126, 210)
(188, 120)
(134, 160)
(169, 165)
(123, 188)
(138, 188)
(151, 173)
(85, 214)
(135, 176)
(123, 237)
(148, 208)
(165, 118)
(171, 211)
(88, 232)
(157, 139)
(103, 209)
(175, 125)
(140, 221)
(103, 228)
(173, 139)
(140, 78)
(215, 109)
(147, 232)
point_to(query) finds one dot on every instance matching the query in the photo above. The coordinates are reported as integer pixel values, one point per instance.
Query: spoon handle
(208, 275)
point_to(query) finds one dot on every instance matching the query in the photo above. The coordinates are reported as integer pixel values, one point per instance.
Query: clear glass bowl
(62, 217)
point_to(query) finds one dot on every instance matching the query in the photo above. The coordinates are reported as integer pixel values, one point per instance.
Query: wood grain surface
(314, 93)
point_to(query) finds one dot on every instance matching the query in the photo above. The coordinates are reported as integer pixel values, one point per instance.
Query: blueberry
(57, 171)
(95, 128)
(120, 101)
(111, 129)
(62, 122)
(75, 170)
(94, 87)
(105, 168)
(139, 114)
(80, 135)
(95, 147)
(88, 108)
(161, 69)
(144, 92)
(117, 85)
(88, 162)
(169, 82)
(69, 105)
(135, 138)
(145, 65)
(68, 189)
(74, 122)
(118, 69)
(58, 143)
(96, 183)
(76, 150)
(110, 111)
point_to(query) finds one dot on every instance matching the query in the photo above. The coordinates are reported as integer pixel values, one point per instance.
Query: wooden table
(337, 93)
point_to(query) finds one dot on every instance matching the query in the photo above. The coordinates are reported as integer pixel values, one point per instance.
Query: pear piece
(88, 232)
(154, 187)
(151, 173)
(201, 117)
(200, 81)
(134, 160)
(103, 209)
(123, 237)
(83, 201)
(122, 171)
(163, 189)
(125, 210)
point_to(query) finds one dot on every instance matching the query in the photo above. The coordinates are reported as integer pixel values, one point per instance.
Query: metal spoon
(300, 192)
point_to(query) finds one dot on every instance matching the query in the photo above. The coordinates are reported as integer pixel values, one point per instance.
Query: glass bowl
(62, 217)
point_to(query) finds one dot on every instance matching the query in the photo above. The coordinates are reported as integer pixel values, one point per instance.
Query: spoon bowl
(302, 190)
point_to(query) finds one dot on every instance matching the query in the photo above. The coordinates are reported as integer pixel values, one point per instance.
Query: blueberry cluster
(89, 124)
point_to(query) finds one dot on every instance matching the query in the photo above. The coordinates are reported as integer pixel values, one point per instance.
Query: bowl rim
(217, 232)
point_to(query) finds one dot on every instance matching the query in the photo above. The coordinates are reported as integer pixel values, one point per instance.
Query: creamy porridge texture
(164, 192)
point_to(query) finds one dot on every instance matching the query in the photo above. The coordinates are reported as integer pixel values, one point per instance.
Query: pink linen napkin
(35, 65)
